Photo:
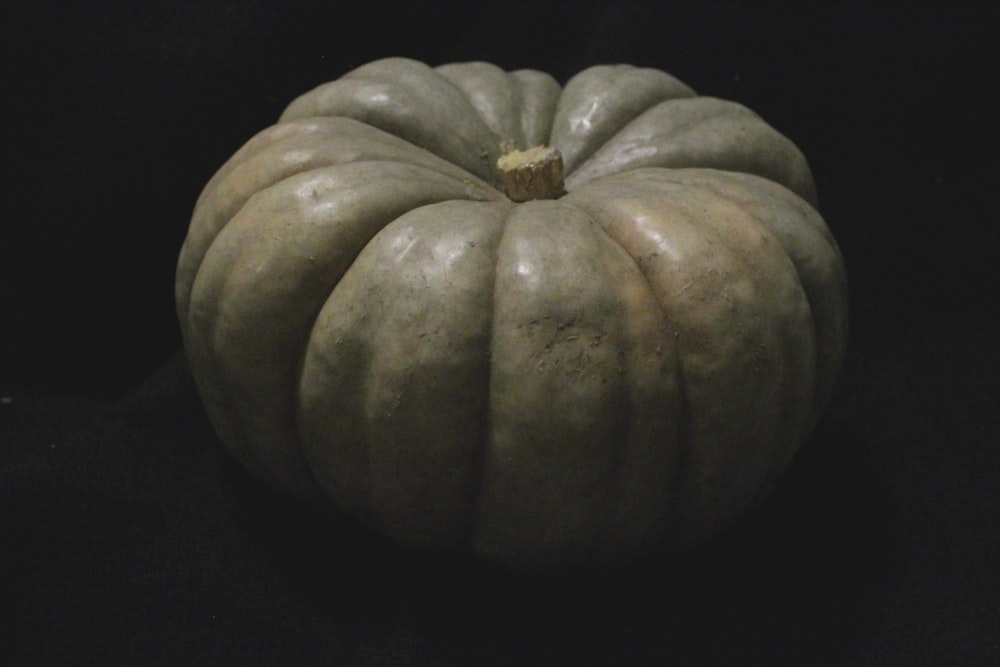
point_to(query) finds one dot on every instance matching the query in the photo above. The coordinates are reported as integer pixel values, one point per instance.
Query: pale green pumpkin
(372, 322)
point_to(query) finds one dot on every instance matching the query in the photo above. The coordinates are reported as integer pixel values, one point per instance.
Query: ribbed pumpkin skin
(554, 383)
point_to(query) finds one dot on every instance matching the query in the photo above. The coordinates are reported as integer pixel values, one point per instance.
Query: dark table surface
(132, 538)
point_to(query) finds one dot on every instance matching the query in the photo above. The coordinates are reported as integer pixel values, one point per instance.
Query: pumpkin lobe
(534, 173)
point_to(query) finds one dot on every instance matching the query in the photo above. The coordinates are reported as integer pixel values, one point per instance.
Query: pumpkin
(482, 312)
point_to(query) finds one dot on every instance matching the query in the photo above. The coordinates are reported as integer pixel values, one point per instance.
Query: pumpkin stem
(534, 173)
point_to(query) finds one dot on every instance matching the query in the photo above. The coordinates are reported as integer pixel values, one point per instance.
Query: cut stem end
(534, 173)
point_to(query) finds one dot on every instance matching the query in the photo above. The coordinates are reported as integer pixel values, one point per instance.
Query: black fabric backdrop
(130, 537)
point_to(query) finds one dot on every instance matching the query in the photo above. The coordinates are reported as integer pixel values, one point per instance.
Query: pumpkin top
(606, 119)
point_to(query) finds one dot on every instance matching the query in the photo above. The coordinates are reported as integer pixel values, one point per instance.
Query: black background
(132, 538)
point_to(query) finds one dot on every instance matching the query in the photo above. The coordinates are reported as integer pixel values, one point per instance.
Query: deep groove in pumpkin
(485, 451)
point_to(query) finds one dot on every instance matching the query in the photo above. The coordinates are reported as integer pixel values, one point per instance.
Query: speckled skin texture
(555, 383)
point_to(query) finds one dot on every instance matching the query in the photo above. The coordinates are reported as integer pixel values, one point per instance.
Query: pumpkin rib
(684, 449)
(409, 99)
(625, 91)
(764, 226)
(532, 99)
(481, 84)
(262, 296)
(326, 130)
(681, 440)
(719, 474)
(753, 147)
(460, 528)
(381, 357)
(364, 152)
(190, 258)
(823, 375)
(692, 123)
(375, 144)
(558, 400)
(780, 457)
(540, 94)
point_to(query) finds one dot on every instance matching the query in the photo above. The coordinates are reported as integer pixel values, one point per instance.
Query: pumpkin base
(534, 173)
